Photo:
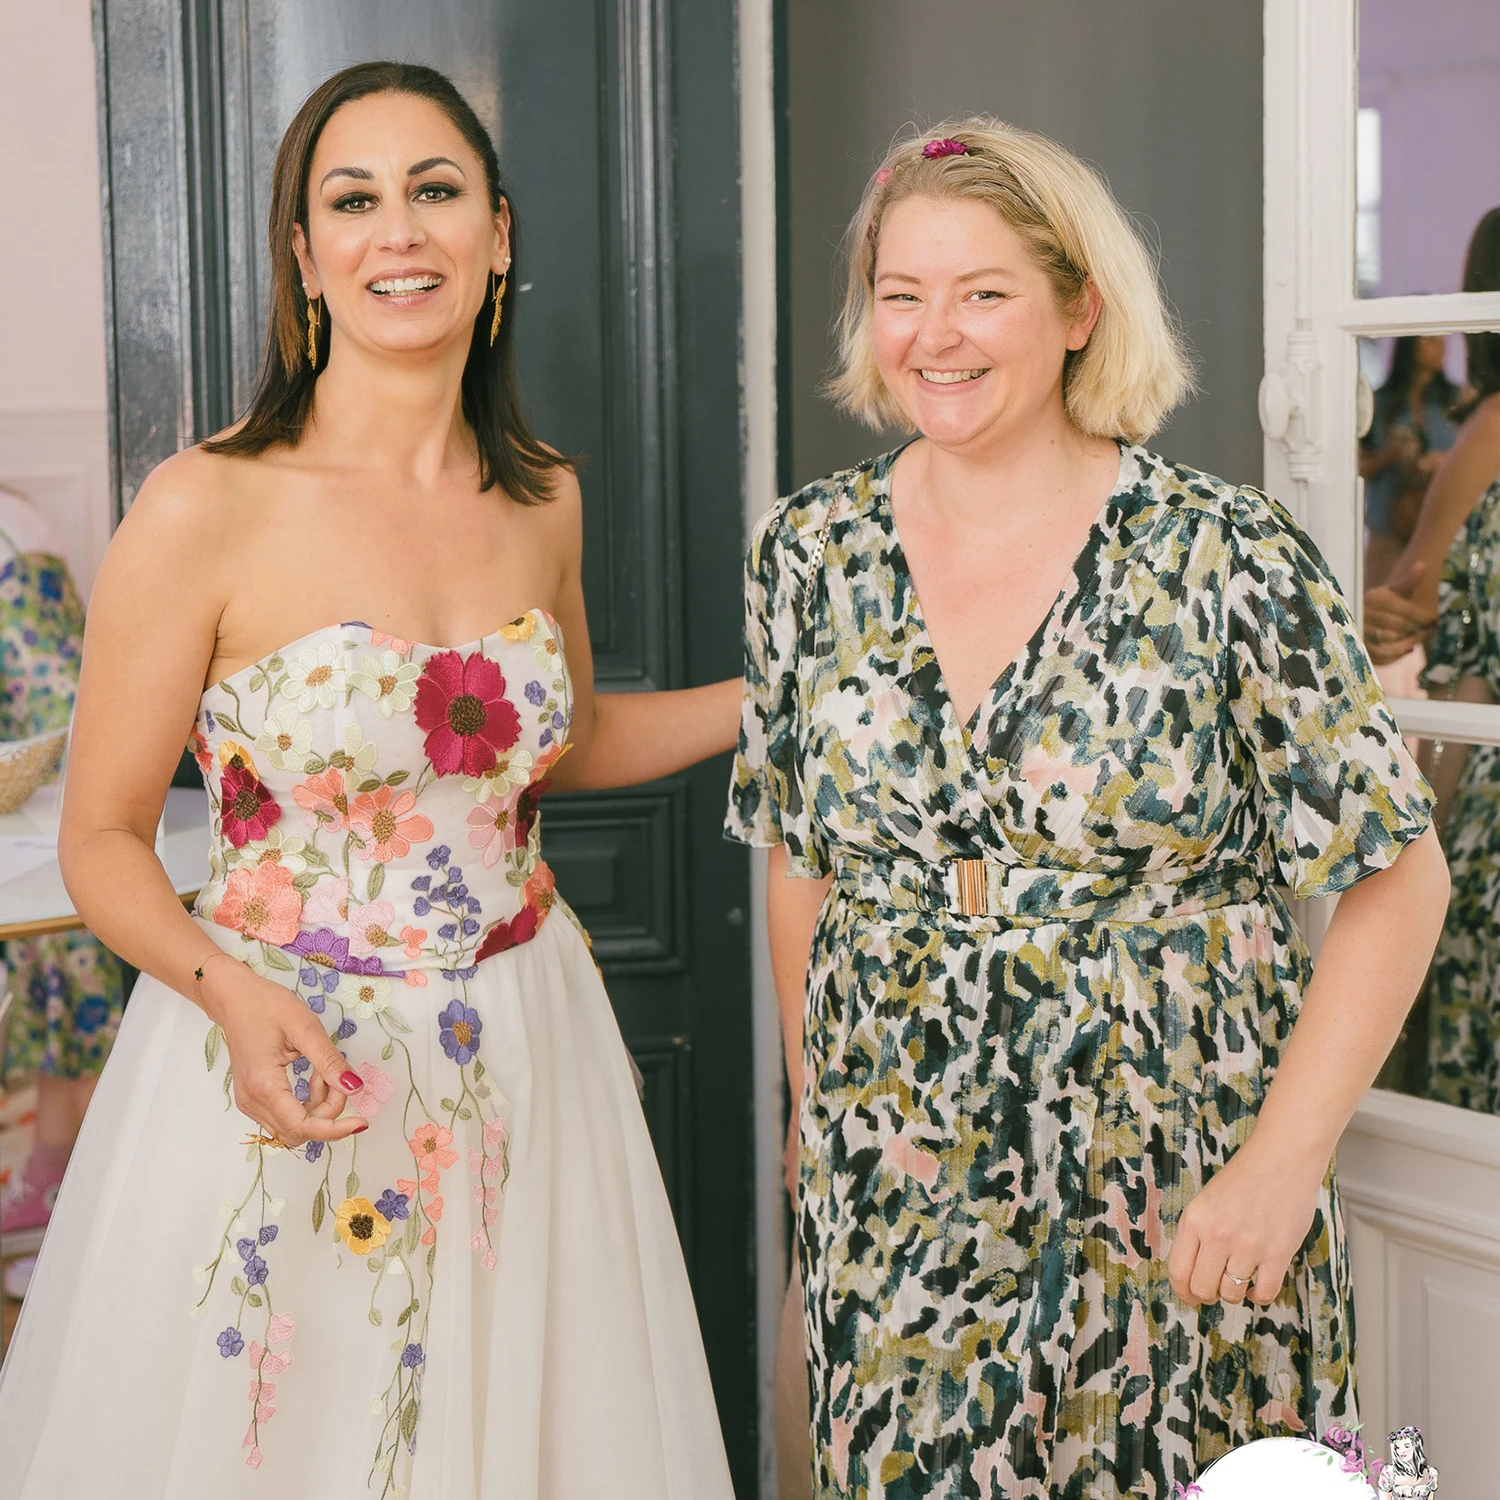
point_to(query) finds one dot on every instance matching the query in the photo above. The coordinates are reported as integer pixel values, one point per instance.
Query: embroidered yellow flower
(519, 630)
(232, 754)
(361, 1225)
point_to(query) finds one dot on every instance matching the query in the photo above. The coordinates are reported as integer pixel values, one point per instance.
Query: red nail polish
(358, 1128)
(350, 1081)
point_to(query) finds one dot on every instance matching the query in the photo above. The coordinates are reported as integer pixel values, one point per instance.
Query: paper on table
(20, 854)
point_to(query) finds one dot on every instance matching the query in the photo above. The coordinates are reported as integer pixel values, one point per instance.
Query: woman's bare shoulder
(194, 496)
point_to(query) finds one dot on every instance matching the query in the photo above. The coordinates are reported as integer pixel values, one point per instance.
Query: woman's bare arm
(1403, 609)
(152, 622)
(1255, 1212)
(620, 739)
(792, 907)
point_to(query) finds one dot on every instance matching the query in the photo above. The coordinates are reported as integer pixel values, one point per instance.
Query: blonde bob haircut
(1134, 368)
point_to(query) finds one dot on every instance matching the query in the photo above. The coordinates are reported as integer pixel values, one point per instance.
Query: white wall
(53, 443)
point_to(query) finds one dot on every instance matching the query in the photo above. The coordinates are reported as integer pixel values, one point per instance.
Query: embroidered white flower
(370, 927)
(285, 740)
(389, 680)
(315, 679)
(363, 995)
(360, 754)
(285, 849)
(511, 772)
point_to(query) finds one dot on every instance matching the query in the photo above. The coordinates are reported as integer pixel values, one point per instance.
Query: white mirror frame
(1421, 1180)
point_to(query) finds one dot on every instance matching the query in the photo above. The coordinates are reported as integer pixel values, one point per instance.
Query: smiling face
(400, 238)
(1403, 1450)
(968, 335)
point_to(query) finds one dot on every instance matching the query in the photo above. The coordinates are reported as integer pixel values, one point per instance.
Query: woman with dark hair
(1399, 612)
(366, 1201)
(1412, 427)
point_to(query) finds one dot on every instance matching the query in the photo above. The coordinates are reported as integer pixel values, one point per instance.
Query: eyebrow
(967, 276)
(425, 165)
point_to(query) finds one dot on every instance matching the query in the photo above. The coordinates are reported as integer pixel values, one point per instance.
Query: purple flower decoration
(230, 1343)
(536, 694)
(392, 1204)
(458, 1031)
(346, 1029)
(246, 1247)
(256, 1271)
(412, 1356)
(324, 953)
(301, 1065)
(945, 147)
(437, 858)
(268, 1232)
(301, 1090)
(313, 1150)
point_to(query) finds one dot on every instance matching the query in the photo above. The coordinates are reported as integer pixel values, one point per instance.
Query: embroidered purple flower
(301, 1091)
(437, 858)
(347, 1028)
(301, 1065)
(313, 1150)
(323, 954)
(945, 147)
(412, 1356)
(458, 1031)
(268, 1233)
(536, 694)
(392, 1204)
(230, 1343)
(256, 1271)
(246, 1247)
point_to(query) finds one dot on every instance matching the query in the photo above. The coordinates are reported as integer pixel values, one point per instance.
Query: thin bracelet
(198, 972)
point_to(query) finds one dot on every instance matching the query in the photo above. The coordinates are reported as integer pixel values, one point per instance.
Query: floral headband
(932, 151)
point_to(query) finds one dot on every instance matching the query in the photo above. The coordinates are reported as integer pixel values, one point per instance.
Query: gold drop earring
(314, 323)
(498, 291)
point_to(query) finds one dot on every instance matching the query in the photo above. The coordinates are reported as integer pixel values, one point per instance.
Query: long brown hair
(509, 455)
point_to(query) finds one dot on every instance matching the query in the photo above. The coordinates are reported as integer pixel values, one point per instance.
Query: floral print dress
(1463, 988)
(431, 1308)
(67, 991)
(1053, 978)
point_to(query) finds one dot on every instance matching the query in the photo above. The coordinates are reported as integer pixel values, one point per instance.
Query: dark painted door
(617, 128)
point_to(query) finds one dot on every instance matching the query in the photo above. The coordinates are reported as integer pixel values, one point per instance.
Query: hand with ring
(1236, 1240)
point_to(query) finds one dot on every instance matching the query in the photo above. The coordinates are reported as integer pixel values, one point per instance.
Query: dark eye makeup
(428, 192)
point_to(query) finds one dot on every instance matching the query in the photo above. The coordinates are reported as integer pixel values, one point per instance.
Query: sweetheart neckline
(550, 620)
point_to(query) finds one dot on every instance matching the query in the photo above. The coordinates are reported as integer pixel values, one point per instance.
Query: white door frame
(1420, 1180)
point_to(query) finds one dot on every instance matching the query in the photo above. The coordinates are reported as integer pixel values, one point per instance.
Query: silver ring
(1240, 1280)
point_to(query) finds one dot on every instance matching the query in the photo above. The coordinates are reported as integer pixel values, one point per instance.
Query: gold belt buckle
(973, 895)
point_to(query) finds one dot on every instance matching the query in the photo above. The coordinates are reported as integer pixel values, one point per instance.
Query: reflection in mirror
(1429, 115)
(1431, 467)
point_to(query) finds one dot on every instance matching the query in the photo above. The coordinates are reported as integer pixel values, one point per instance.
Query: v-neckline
(916, 621)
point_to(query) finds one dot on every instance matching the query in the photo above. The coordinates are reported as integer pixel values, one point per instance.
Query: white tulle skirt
(553, 1353)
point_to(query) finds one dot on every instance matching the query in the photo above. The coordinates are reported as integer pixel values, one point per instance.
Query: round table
(33, 899)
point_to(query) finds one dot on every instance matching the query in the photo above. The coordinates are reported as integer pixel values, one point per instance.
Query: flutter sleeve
(1341, 793)
(767, 805)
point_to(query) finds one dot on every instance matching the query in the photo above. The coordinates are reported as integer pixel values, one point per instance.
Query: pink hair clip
(884, 175)
(945, 147)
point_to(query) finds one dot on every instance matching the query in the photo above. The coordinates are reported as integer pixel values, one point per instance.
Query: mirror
(1429, 115)
(1448, 571)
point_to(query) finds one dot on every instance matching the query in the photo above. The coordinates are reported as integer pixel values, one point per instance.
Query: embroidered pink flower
(261, 903)
(323, 799)
(429, 1145)
(461, 703)
(397, 643)
(247, 807)
(494, 1134)
(492, 828)
(489, 1260)
(282, 1327)
(388, 825)
(540, 889)
(328, 903)
(379, 1086)
(413, 938)
(370, 927)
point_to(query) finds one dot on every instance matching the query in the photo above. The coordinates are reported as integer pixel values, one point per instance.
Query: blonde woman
(1038, 722)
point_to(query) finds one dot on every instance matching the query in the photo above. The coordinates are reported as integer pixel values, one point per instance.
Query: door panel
(617, 128)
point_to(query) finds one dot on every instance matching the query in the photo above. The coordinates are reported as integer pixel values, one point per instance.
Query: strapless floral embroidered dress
(480, 1296)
